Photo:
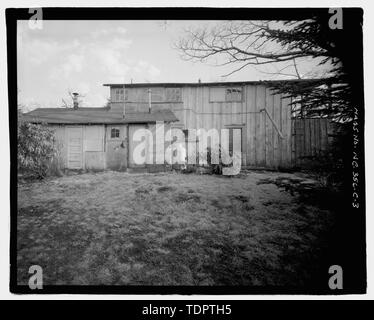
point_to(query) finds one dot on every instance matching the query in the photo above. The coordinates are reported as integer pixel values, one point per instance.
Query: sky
(80, 56)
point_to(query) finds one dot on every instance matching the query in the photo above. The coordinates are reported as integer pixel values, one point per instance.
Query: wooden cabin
(101, 138)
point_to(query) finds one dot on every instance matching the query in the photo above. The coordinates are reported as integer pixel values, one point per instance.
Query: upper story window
(173, 94)
(114, 133)
(158, 94)
(118, 94)
(234, 94)
(222, 94)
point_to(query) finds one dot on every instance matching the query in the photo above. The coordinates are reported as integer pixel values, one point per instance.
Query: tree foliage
(36, 148)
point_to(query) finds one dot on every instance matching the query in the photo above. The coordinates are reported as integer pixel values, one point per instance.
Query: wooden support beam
(273, 122)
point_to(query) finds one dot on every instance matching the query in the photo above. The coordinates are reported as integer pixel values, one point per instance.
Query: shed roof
(95, 116)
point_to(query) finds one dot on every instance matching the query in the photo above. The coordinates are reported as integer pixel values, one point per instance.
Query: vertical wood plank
(313, 143)
(242, 119)
(293, 145)
(307, 138)
(302, 140)
(190, 115)
(297, 142)
(323, 135)
(269, 129)
(317, 136)
(205, 108)
(201, 117)
(185, 122)
(195, 107)
(284, 127)
(277, 140)
(251, 125)
(260, 126)
(286, 107)
(215, 106)
(304, 148)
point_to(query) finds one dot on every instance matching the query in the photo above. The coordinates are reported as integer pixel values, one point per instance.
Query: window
(234, 94)
(161, 94)
(118, 95)
(157, 94)
(173, 94)
(222, 94)
(114, 133)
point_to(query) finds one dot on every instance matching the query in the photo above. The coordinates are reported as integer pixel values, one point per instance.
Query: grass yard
(117, 228)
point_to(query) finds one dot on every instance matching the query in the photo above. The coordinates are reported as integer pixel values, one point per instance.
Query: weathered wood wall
(99, 150)
(270, 139)
(261, 144)
(311, 138)
(266, 135)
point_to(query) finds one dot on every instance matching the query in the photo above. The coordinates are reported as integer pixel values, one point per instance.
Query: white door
(75, 147)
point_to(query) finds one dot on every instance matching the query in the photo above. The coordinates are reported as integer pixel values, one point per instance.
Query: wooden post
(124, 99)
(150, 100)
(128, 145)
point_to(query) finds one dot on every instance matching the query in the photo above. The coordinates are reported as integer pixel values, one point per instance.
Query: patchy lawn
(172, 229)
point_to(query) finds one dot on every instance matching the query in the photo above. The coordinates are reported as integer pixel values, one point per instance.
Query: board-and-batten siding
(261, 142)
(91, 149)
(311, 138)
(270, 139)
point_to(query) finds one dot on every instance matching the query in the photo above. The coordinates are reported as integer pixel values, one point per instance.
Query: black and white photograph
(187, 150)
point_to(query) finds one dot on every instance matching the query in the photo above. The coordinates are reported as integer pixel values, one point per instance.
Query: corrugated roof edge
(104, 117)
(197, 84)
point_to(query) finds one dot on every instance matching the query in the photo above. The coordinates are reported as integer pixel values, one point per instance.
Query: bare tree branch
(248, 43)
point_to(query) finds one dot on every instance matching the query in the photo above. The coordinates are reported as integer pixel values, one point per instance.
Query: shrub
(329, 167)
(36, 149)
